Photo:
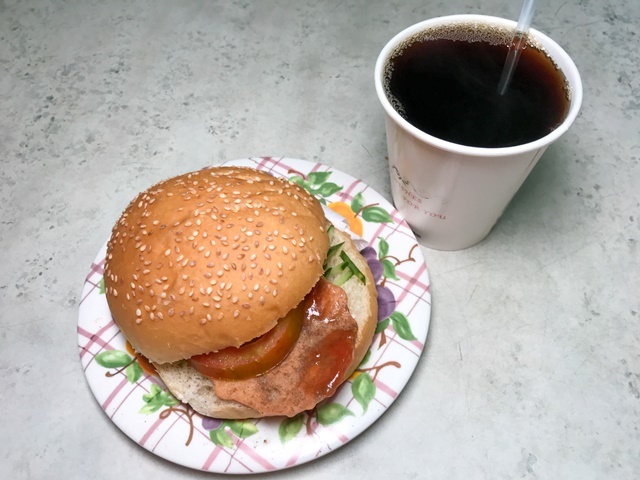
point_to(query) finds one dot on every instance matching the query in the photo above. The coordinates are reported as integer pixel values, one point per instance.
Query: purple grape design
(383, 267)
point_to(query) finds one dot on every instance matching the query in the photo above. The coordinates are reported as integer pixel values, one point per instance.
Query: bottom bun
(190, 386)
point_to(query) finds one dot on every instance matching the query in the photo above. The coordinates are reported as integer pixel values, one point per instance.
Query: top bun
(212, 259)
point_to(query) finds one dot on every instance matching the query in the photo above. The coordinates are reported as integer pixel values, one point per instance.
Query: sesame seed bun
(212, 259)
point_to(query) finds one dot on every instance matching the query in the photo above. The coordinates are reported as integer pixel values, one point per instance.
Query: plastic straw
(519, 38)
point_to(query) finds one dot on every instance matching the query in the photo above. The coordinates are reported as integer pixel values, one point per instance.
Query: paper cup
(452, 195)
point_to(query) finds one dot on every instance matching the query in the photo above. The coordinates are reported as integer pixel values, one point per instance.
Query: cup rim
(555, 51)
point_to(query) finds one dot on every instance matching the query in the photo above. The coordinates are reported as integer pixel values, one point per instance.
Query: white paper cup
(452, 195)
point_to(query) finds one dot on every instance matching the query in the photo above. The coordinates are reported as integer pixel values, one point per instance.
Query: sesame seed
(138, 312)
(236, 313)
(171, 312)
(138, 321)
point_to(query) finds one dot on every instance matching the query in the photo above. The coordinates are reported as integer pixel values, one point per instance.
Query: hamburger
(244, 297)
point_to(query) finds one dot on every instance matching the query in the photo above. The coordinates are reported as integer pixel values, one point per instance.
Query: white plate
(141, 407)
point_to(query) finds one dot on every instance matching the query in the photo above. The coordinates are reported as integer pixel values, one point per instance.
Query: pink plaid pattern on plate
(140, 405)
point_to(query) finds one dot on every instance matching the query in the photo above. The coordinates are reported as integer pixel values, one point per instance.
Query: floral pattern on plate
(137, 401)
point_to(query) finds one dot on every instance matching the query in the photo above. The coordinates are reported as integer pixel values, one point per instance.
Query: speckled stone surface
(532, 365)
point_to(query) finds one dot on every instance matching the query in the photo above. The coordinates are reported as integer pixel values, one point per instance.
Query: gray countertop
(532, 364)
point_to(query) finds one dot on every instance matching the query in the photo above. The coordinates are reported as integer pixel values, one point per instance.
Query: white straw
(524, 22)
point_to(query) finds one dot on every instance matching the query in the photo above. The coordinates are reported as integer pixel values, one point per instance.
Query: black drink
(444, 81)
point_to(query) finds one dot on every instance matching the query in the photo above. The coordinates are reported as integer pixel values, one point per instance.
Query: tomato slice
(255, 357)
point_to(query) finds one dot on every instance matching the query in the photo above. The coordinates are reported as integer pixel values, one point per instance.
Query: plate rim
(357, 428)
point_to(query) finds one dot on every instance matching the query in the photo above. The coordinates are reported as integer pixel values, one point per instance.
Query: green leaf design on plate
(317, 178)
(220, 437)
(242, 428)
(133, 372)
(102, 290)
(328, 189)
(357, 203)
(156, 399)
(297, 179)
(388, 269)
(376, 215)
(113, 359)
(401, 325)
(383, 248)
(332, 413)
(153, 392)
(363, 390)
(290, 427)
(382, 325)
(366, 357)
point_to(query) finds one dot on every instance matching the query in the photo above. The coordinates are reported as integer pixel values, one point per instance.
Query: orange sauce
(144, 363)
